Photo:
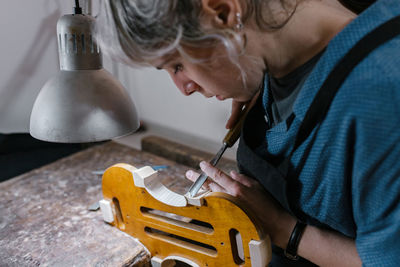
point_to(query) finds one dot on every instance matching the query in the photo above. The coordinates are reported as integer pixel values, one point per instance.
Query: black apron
(253, 145)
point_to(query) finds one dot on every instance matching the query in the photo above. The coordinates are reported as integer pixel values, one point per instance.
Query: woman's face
(213, 76)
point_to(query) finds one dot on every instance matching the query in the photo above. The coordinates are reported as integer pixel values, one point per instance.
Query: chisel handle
(230, 139)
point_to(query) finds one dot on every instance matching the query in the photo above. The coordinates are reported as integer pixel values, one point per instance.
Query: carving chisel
(230, 139)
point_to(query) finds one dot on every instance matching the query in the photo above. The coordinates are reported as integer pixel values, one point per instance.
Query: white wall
(29, 57)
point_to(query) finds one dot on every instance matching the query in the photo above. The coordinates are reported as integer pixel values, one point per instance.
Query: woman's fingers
(247, 190)
(236, 184)
(223, 180)
(208, 184)
(216, 187)
(192, 176)
(244, 180)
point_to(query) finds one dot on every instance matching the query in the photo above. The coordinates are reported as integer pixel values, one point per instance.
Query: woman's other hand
(235, 113)
(237, 108)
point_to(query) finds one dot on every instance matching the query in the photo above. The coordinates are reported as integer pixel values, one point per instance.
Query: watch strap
(294, 240)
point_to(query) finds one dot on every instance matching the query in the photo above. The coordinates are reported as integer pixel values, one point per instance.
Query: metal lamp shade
(82, 106)
(83, 102)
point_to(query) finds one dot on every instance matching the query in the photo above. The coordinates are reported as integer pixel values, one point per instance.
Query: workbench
(44, 215)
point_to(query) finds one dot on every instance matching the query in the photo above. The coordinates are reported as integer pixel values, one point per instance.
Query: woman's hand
(270, 214)
(235, 113)
(237, 108)
(323, 247)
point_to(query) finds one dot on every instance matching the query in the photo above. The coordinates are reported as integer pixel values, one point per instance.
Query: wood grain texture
(44, 217)
(166, 231)
(182, 154)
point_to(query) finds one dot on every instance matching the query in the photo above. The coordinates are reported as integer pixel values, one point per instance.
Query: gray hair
(139, 31)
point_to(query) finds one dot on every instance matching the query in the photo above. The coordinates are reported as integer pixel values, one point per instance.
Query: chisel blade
(203, 177)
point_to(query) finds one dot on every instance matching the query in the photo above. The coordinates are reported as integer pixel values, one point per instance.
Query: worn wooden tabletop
(44, 216)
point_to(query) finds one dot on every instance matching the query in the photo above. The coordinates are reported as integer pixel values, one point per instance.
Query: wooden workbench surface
(44, 216)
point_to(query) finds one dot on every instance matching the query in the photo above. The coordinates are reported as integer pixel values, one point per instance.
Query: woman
(334, 199)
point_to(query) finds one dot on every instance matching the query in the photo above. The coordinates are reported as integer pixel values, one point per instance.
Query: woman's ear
(223, 13)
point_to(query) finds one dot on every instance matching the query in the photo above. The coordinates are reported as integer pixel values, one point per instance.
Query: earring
(239, 24)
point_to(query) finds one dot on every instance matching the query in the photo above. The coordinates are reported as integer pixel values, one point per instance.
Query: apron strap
(322, 101)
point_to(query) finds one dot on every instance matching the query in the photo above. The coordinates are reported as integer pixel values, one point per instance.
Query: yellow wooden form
(205, 235)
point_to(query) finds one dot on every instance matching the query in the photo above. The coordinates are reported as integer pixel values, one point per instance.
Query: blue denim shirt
(349, 175)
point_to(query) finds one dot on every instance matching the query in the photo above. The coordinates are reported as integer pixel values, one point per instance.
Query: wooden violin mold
(214, 229)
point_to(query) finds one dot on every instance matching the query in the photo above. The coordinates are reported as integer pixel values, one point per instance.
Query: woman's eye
(178, 68)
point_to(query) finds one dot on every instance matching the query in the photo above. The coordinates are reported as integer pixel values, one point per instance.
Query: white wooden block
(259, 252)
(239, 243)
(139, 175)
(197, 200)
(106, 210)
(156, 262)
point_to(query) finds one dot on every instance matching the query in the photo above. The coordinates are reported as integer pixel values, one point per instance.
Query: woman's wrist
(283, 229)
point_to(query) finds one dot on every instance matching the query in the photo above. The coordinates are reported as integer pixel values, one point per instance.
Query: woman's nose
(184, 84)
(189, 88)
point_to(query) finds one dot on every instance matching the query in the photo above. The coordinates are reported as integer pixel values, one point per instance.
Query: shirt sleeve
(376, 175)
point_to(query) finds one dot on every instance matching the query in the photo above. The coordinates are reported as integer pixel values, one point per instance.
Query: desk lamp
(83, 102)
